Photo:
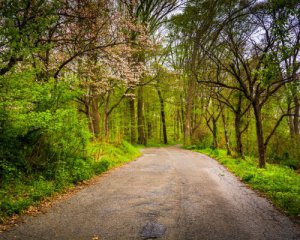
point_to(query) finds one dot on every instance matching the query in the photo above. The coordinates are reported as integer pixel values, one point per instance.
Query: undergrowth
(279, 183)
(17, 194)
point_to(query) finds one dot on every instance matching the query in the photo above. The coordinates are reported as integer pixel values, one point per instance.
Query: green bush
(80, 170)
(102, 166)
(9, 172)
(10, 207)
(248, 177)
(288, 201)
(62, 178)
(40, 189)
(127, 148)
(39, 124)
(291, 163)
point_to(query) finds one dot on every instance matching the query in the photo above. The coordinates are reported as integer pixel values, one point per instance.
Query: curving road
(168, 193)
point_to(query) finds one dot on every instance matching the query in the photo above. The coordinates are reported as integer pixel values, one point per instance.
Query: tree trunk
(149, 130)
(291, 126)
(188, 113)
(106, 127)
(226, 134)
(182, 120)
(190, 92)
(132, 121)
(140, 112)
(162, 113)
(125, 121)
(187, 126)
(148, 124)
(291, 122)
(95, 117)
(296, 117)
(174, 127)
(106, 116)
(238, 135)
(215, 133)
(178, 127)
(260, 137)
(88, 115)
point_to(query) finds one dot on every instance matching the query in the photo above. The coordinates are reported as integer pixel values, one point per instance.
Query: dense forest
(76, 75)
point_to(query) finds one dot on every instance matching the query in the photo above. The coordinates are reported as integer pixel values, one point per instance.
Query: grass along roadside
(279, 183)
(19, 194)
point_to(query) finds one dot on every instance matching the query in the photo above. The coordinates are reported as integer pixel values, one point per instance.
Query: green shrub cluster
(280, 183)
(40, 125)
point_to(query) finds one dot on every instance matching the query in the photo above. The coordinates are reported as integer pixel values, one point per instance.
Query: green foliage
(23, 24)
(279, 183)
(20, 195)
(79, 170)
(39, 124)
(285, 151)
(112, 155)
(101, 166)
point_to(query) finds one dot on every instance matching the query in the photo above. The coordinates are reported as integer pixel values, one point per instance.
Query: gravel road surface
(168, 193)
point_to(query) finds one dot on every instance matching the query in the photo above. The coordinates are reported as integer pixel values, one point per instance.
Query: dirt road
(168, 193)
